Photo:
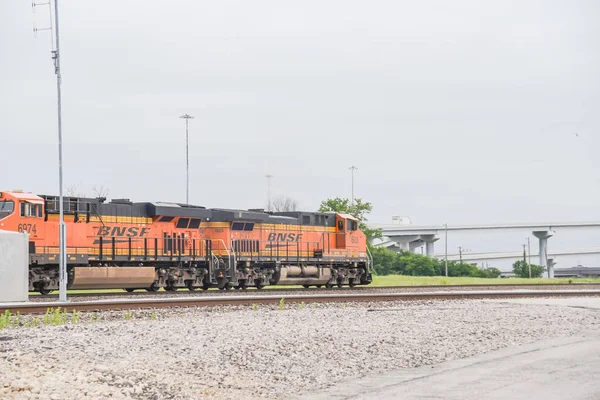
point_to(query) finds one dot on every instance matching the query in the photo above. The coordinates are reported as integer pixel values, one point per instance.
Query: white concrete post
(429, 244)
(543, 238)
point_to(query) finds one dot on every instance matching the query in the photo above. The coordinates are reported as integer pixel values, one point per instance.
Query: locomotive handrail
(229, 258)
(290, 250)
(369, 260)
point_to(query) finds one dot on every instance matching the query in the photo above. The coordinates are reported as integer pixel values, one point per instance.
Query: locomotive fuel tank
(112, 277)
(304, 275)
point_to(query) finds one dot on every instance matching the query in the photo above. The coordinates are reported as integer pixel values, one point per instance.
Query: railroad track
(358, 289)
(197, 301)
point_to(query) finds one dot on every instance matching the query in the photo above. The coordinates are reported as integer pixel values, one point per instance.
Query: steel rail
(253, 291)
(97, 305)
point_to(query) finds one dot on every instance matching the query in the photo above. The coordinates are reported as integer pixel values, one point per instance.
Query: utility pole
(446, 244)
(62, 231)
(529, 250)
(269, 191)
(460, 253)
(525, 259)
(187, 118)
(353, 168)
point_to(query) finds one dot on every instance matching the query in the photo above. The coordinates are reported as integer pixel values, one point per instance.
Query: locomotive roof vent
(121, 201)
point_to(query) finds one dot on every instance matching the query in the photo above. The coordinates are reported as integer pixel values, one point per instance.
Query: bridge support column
(543, 238)
(429, 241)
(405, 242)
(415, 244)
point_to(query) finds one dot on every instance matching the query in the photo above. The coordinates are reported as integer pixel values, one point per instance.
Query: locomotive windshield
(6, 208)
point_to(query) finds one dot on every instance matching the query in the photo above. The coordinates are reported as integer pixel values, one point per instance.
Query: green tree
(490, 272)
(358, 210)
(521, 269)
(383, 261)
(418, 264)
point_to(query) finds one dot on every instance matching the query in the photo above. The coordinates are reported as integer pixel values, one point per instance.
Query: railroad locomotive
(149, 245)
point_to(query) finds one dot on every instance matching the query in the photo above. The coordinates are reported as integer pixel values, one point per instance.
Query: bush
(387, 262)
(521, 269)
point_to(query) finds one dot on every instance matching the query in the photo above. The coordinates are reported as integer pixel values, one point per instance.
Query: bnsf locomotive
(122, 244)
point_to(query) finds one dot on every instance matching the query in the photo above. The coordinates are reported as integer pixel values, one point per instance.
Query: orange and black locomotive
(149, 245)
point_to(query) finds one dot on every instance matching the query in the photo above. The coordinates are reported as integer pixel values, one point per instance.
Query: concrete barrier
(14, 266)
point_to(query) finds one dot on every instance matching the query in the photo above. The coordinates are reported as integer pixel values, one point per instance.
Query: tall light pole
(353, 168)
(446, 243)
(187, 118)
(269, 191)
(62, 233)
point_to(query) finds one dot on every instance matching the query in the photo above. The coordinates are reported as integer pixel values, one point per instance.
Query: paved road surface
(557, 369)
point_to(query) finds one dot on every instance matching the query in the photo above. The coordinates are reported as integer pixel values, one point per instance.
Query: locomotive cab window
(6, 208)
(30, 209)
(353, 225)
(341, 225)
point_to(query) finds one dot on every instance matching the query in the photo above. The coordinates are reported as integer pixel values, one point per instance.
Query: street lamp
(269, 191)
(353, 168)
(187, 118)
(446, 243)
(62, 232)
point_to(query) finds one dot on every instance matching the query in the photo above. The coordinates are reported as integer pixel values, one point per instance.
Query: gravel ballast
(270, 352)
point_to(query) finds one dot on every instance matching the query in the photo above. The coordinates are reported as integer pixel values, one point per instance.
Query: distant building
(577, 272)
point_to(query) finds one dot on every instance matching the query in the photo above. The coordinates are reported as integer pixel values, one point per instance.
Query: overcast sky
(458, 112)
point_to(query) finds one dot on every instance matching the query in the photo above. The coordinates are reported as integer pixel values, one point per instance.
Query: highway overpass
(410, 237)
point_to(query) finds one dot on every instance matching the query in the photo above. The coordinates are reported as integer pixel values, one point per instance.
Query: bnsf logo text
(284, 237)
(123, 231)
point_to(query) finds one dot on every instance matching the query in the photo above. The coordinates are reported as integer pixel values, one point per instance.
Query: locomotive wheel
(328, 285)
(243, 285)
(306, 286)
(221, 283)
(44, 291)
(154, 287)
(339, 284)
(259, 286)
(129, 290)
(352, 283)
(228, 286)
(319, 286)
(190, 286)
(205, 286)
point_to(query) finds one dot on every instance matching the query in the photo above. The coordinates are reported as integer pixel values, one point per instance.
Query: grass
(402, 280)
(54, 316)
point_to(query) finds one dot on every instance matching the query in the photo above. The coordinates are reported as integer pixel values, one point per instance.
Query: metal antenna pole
(353, 168)
(269, 191)
(446, 243)
(62, 234)
(529, 249)
(187, 118)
